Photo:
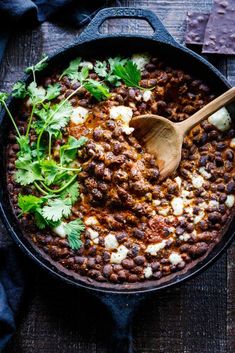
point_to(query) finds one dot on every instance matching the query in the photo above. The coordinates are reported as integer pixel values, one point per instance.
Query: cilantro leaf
(38, 66)
(83, 74)
(29, 203)
(101, 68)
(54, 117)
(37, 94)
(41, 222)
(129, 73)
(68, 152)
(71, 192)
(73, 230)
(53, 91)
(49, 170)
(98, 90)
(23, 142)
(3, 96)
(116, 61)
(19, 90)
(72, 71)
(59, 118)
(56, 209)
(28, 171)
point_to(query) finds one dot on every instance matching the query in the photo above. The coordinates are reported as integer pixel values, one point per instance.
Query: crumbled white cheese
(138, 97)
(221, 119)
(122, 113)
(199, 217)
(185, 236)
(156, 202)
(148, 272)
(96, 241)
(175, 258)
(204, 173)
(87, 64)
(213, 203)
(110, 241)
(197, 181)
(153, 249)
(185, 193)
(140, 60)
(177, 205)
(91, 221)
(178, 181)
(79, 115)
(127, 130)
(120, 255)
(93, 233)
(164, 211)
(189, 210)
(232, 143)
(147, 95)
(230, 201)
(59, 230)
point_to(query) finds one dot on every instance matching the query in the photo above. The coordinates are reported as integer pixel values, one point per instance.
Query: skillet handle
(160, 33)
(122, 308)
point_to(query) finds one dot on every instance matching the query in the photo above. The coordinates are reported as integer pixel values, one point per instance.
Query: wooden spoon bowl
(164, 139)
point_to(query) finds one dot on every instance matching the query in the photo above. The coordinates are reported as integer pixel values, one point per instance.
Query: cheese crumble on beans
(137, 228)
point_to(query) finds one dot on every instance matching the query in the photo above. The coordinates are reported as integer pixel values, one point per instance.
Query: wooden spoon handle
(210, 108)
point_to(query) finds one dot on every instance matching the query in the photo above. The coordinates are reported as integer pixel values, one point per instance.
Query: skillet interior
(183, 59)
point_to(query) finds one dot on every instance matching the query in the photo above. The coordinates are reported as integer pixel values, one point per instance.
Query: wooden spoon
(164, 139)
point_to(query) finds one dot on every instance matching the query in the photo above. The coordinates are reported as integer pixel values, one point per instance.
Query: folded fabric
(11, 288)
(17, 14)
(14, 15)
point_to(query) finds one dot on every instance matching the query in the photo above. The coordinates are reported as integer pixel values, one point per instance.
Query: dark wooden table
(197, 317)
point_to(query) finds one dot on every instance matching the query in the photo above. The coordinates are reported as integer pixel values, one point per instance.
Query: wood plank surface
(197, 317)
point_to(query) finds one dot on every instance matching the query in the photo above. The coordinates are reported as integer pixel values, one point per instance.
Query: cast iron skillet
(121, 300)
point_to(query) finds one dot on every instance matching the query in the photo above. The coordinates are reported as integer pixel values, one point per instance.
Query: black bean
(179, 231)
(121, 275)
(229, 155)
(198, 249)
(139, 260)
(97, 134)
(220, 187)
(107, 270)
(230, 187)
(157, 275)
(128, 263)
(132, 278)
(139, 234)
(121, 237)
(214, 217)
(220, 146)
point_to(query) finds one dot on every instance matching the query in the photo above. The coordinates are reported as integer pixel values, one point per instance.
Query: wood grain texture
(197, 317)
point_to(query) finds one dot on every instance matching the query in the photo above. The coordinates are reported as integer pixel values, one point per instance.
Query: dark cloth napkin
(15, 15)
(11, 287)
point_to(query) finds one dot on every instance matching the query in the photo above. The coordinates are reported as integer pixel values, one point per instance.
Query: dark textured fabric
(12, 282)
(15, 15)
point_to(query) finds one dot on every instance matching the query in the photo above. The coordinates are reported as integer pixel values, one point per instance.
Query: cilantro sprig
(112, 72)
(56, 181)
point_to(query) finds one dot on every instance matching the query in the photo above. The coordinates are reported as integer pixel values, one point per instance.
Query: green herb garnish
(129, 73)
(73, 230)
